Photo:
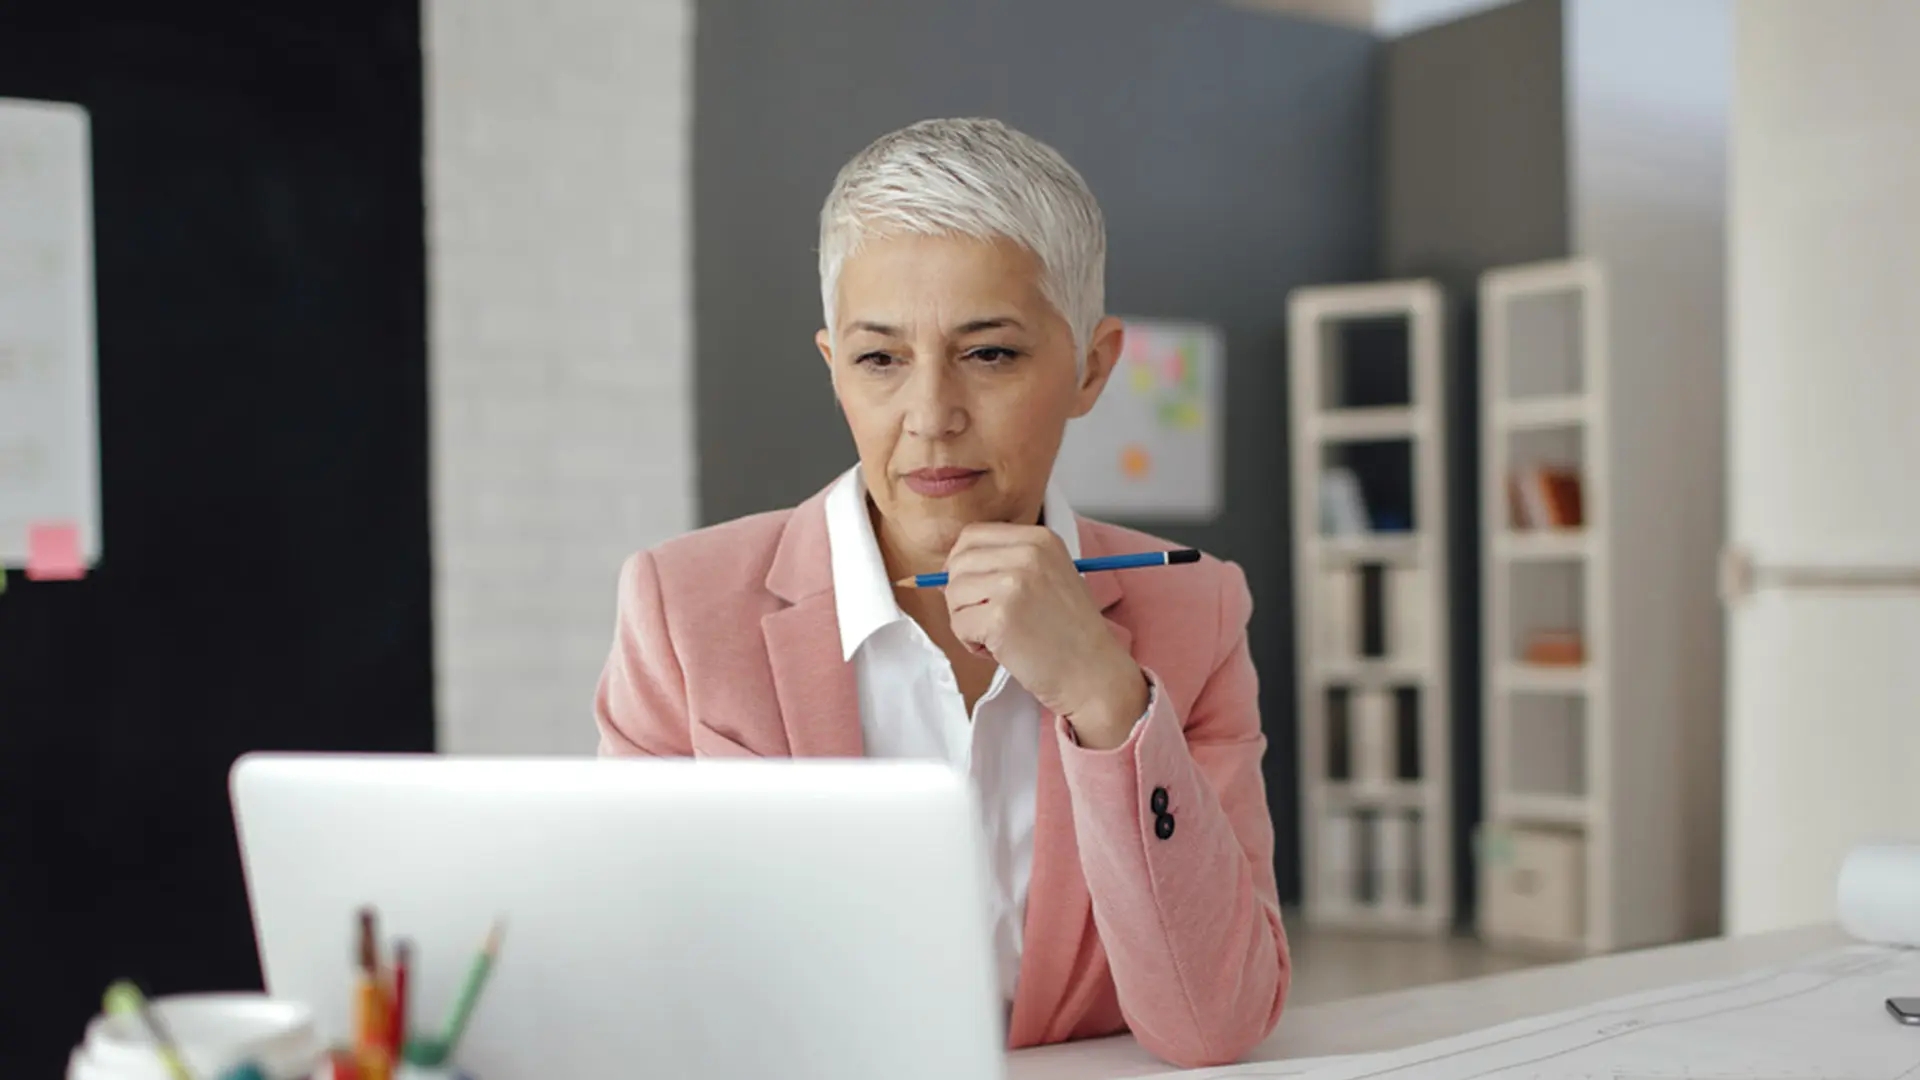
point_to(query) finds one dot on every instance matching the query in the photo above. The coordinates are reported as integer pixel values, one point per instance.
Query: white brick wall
(561, 344)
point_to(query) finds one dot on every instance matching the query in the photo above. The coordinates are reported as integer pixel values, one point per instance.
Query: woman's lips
(938, 483)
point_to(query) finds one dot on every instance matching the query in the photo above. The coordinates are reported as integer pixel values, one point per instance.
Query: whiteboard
(1152, 446)
(49, 432)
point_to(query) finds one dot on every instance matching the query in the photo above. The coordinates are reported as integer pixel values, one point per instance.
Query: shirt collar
(862, 595)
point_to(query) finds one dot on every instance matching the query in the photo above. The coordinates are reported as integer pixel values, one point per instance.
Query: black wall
(1233, 153)
(257, 195)
(1474, 176)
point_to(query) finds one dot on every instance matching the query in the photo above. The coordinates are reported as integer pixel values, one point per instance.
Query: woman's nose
(935, 406)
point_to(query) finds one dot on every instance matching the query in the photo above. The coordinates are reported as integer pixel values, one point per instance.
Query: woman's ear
(1103, 352)
(824, 342)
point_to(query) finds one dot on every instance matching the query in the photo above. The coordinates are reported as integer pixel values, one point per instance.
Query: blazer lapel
(1060, 944)
(819, 704)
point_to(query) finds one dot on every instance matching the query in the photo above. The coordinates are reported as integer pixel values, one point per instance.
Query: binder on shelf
(1373, 611)
(1391, 864)
(1406, 613)
(1339, 614)
(1339, 733)
(1414, 883)
(1371, 722)
(1366, 875)
(1337, 843)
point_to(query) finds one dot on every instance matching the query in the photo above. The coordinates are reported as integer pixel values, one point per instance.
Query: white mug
(215, 1034)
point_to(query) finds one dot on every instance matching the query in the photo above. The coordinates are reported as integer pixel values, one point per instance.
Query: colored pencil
(1085, 566)
(125, 999)
(397, 1011)
(470, 991)
(370, 999)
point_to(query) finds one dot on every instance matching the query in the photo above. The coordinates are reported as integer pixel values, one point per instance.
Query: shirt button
(1163, 826)
(1159, 800)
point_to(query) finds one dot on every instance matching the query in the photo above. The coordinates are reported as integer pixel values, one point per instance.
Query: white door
(1823, 696)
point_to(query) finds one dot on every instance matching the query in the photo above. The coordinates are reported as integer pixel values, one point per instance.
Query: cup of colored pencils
(383, 1047)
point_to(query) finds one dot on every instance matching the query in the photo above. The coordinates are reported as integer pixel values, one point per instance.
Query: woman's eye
(993, 354)
(876, 360)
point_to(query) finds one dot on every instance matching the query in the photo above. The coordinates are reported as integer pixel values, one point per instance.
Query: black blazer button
(1159, 800)
(1163, 826)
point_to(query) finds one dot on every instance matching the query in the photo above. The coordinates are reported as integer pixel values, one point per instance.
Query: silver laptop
(663, 918)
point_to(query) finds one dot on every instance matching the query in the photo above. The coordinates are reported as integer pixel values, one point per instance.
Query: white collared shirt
(911, 707)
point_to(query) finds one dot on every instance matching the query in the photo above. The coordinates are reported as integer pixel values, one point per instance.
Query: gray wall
(1474, 156)
(1474, 145)
(1233, 151)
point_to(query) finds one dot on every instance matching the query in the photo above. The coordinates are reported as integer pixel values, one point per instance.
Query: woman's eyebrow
(1002, 322)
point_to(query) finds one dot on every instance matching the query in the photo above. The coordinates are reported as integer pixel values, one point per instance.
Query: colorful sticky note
(1142, 377)
(1135, 462)
(53, 552)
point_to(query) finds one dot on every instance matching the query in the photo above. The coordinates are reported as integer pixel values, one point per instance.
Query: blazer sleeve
(641, 705)
(1177, 848)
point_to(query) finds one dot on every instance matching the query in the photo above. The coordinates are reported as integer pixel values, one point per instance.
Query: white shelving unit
(1581, 850)
(1375, 735)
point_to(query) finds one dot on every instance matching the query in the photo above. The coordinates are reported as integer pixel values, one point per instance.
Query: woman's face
(957, 378)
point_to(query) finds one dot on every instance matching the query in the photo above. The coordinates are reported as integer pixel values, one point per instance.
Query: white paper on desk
(49, 440)
(1821, 1018)
(1259, 1070)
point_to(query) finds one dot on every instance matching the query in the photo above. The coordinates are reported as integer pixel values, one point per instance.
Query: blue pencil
(1085, 566)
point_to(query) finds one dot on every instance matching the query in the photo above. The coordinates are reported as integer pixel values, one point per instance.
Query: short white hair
(977, 178)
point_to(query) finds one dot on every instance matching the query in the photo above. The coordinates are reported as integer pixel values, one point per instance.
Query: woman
(1109, 722)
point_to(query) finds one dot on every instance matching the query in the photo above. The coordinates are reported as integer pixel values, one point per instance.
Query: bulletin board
(1151, 448)
(257, 256)
(49, 432)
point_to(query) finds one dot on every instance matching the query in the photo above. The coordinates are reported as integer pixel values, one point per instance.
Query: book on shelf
(1343, 509)
(1545, 497)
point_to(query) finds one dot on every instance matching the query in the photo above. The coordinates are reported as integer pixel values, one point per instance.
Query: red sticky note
(53, 552)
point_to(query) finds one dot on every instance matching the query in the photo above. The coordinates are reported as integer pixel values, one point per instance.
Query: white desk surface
(1407, 1017)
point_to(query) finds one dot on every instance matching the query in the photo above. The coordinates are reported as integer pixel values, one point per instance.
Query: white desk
(1406, 1017)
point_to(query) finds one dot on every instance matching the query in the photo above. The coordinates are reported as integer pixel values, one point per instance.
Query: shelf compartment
(1365, 363)
(1544, 328)
(1544, 597)
(1547, 745)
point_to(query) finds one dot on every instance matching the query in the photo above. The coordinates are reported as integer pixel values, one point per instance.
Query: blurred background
(1564, 391)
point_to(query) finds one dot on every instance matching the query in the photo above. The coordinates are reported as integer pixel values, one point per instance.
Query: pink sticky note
(53, 552)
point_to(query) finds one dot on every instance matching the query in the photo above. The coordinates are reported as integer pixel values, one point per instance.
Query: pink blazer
(726, 644)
